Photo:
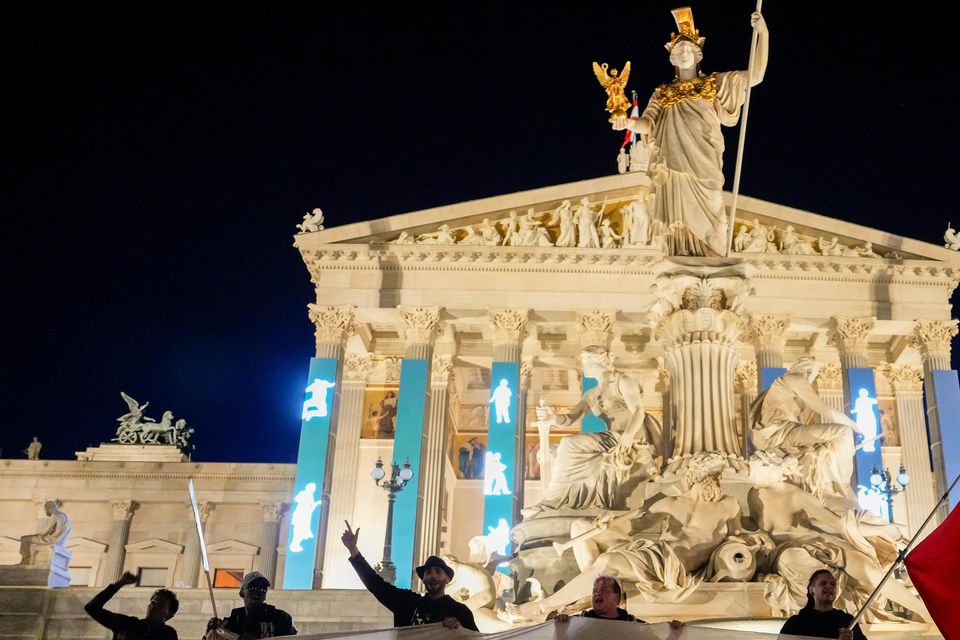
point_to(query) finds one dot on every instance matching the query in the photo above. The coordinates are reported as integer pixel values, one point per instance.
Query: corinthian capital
(745, 377)
(272, 511)
(204, 507)
(830, 377)
(768, 332)
(419, 324)
(595, 327)
(933, 337)
(357, 366)
(905, 378)
(849, 335)
(440, 369)
(333, 324)
(509, 325)
(123, 509)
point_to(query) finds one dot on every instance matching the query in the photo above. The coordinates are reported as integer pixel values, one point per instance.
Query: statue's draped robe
(686, 164)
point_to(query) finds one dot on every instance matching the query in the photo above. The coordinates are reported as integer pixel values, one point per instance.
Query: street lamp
(881, 480)
(398, 479)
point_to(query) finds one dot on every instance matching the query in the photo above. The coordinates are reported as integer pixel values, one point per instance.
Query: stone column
(932, 339)
(696, 319)
(830, 385)
(509, 331)
(192, 558)
(343, 489)
(432, 458)
(849, 336)
(419, 329)
(119, 534)
(333, 326)
(768, 334)
(266, 562)
(920, 495)
(523, 401)
(745, 383)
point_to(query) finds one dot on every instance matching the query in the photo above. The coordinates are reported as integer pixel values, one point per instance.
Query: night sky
(157, 157)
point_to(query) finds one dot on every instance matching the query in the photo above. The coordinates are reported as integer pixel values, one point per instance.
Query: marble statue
(865, 250)
(791, 244)
(609, 239)
(825, 450)
(830, 247)
(639, 155)
(589, 467)
(312, 221)
(664, 569)
(810, 535)
(441, 236)
(636, 223)
(138, 428)
(586, 219)
(563, 216)
(471, 237)
(55, 535)
(682, 124)
(623, 160)
(511, 228)
(33, 449)
(532, 233)
(760, 240)
(404, 238)
(489, 235)
(951, 238)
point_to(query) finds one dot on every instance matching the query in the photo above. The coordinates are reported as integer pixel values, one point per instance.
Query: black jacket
(266, 623)
(821, 624)
(126, 627)
(411, 608)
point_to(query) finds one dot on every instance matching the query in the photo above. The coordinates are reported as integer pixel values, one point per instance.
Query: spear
(743, 138)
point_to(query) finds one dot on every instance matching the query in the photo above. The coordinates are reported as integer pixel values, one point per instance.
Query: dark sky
(157, 156)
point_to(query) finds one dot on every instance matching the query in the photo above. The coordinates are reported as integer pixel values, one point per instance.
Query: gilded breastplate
(678, 91)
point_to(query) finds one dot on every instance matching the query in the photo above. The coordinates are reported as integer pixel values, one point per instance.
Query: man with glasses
(256, 618)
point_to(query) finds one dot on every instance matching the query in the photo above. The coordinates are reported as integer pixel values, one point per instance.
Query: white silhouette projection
(494, 482)
(866, 419)
(499, 537)
(874, 501)
(501, 402)
(316, 405)
(302, 514)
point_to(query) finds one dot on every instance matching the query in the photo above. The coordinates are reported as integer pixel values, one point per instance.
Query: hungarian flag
(630, 136)
(934, 566)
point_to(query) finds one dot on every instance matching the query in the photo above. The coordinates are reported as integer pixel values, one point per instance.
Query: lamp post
(884, 487)
(398, 479)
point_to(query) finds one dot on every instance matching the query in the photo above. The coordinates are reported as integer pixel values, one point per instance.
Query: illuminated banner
(590, 422)
(499, 464)
(308, 487)
(946, 390)
(768, 375)
(411, 407)
(862, 407)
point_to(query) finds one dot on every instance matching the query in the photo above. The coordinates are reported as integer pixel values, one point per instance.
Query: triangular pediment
(232, 546)
(85, 545)
(468, 225)
(154, 545)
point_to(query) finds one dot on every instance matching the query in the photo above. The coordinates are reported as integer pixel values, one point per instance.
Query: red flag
(630, 136)
(934, 566)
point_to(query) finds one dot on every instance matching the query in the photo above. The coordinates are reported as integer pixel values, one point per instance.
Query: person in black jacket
(818, 618)
(411, 608)
(607, 596)
(163, 605)
(256, 618)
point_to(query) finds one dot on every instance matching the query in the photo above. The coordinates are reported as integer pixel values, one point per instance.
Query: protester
(163, 605)
(411, 608)
(607, 596)
(256, 618)
(818, 619)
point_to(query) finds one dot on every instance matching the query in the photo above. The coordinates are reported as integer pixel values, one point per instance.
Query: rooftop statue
(951, 238)
(138, 428)
(56, 533)
(682, 126)
(312, 221)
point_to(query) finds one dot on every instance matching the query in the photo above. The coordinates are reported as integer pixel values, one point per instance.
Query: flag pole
(203, 545)
(902, 555)
(743, 137)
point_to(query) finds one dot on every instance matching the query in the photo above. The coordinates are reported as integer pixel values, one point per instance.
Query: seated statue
(56, 533)
(664, 569)
(590, 467)
(825, 450)
(811, 536)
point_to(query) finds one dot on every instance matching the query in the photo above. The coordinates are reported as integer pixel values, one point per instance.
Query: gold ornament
(614, 83)
(678, 91)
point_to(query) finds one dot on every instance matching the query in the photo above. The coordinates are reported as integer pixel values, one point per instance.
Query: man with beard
(411, 608)
(163, 606)
(256, 618)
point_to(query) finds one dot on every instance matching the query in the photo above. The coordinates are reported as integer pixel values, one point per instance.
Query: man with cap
(411, 608)
(256, 618)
